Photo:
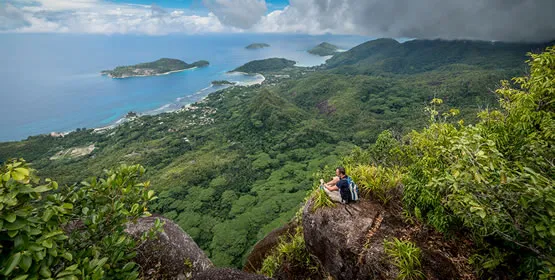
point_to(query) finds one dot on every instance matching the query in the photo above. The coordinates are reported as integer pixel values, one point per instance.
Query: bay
(52, 82)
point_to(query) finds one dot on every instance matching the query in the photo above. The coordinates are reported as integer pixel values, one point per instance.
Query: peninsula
(324, 49)
(265, 65)
(159, 67)
(257, 46)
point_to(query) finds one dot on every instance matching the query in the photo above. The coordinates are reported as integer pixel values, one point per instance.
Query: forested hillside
(233, 167)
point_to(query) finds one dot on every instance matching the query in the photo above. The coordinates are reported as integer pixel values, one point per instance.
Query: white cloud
(11, 18)
(514, 20)
(237, 13)
(94, 16)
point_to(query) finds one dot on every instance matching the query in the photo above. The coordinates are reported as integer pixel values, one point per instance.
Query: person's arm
(332, 188)
(333, 182)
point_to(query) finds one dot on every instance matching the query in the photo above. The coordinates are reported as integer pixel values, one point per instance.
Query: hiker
(341, 188)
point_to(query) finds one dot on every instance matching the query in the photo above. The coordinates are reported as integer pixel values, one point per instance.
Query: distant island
(257, 46)
(324, 49)
(222, 83)
(159, 67)
(265, 65)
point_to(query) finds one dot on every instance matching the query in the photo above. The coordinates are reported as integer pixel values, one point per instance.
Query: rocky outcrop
(265, 246)
(348, 242)
(173, 255)
(227, 274)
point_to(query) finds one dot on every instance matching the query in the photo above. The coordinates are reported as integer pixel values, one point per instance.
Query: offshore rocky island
(161, 66)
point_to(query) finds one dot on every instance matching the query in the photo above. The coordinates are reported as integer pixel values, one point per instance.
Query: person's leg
(334, 195)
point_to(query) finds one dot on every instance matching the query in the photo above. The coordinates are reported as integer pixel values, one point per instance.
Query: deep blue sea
(52, 82)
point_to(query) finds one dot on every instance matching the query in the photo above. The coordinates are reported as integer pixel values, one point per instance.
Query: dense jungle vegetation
(235, 166)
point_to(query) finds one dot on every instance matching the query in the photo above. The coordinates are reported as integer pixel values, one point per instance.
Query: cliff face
(348, 240)
(348, 243)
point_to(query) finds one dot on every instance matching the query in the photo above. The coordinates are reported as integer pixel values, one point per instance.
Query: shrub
(495, 178)
(76, 233)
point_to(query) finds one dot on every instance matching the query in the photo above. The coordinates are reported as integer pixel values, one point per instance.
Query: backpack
(351, 194)
(353, 188)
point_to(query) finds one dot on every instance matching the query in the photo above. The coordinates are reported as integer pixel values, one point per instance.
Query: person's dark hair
(341, 170)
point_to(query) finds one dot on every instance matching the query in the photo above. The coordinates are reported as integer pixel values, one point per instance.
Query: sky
(499, 20)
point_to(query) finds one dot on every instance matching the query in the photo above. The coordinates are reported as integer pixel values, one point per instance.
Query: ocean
(52, 82)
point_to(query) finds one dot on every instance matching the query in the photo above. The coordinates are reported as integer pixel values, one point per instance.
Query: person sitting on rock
(333, 187)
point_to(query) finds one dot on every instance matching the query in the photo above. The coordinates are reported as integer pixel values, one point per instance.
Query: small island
(159, 67)
(222, 83)
(257, 46)
(324, 49)
(265, 65)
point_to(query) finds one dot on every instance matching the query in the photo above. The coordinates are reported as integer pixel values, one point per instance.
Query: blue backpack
(353, 188)
(350, 194)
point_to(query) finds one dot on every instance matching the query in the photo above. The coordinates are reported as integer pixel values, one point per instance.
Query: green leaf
(540, 227)
(47, 243)
(47, 215)
(45, 271)
(67, 206)
(6, 176)
(18, 176)
(35, 247)
(53, 233)
(43, 188)
(12, 262)
(72, 268)
(26, 262)
(21, 277)
(67, 256)
(19, 243)
(128, 266)
(16, 225)
(10, 217)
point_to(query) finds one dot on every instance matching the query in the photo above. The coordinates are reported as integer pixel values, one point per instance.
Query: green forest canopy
(237, 165)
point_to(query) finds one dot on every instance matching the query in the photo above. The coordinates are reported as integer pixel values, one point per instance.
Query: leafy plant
(406, 257)
(321, 199)
(377, 181)
(291, 250)
(77, 233)
(495, 178)
(31, 240)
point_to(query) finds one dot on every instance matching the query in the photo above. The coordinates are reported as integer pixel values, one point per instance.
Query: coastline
(167, 108)
(159, 74)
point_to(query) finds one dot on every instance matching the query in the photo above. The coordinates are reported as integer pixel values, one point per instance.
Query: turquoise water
(51, 82)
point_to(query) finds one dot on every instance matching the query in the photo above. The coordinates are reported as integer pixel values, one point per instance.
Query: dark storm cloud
(506, 20)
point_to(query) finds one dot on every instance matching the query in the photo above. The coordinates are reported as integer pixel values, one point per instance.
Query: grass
(405, 256)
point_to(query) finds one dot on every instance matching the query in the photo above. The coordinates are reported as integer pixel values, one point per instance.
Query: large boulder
(227, 274)
(348, 240)
(172, 255)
